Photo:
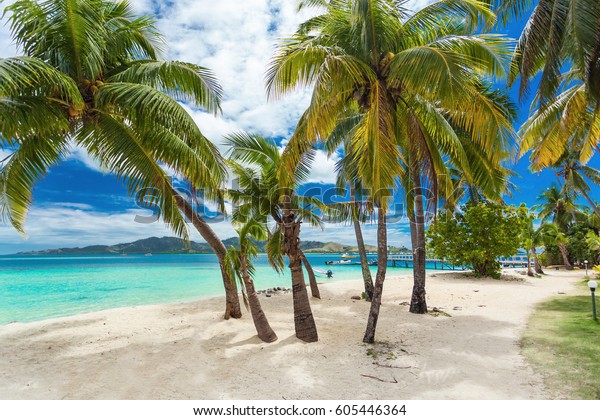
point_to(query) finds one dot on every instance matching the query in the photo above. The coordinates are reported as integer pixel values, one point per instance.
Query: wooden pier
(406, 261)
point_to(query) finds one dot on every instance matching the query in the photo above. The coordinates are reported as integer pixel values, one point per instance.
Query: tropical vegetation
(260, 196)
(407, 99)
(241, 267)
(360, 57)
(478, 235)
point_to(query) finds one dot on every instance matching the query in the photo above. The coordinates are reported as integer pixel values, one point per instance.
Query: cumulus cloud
(7, 48)
(398, 234)
(323, 168)
(75, 224)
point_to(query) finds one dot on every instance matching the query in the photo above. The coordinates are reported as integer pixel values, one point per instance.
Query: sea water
(33, 288)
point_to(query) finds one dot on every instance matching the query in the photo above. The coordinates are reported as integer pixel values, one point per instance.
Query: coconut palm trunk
(362, 252)
(418, 303)
(306, 329)
(530, 272)
(369, 336)
(314, 287)
(565, 255)
(232, 301)
(263, 328)
(536, 261)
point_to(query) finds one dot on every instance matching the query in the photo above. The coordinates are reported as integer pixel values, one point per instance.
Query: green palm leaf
(21, 170)
(182, 81)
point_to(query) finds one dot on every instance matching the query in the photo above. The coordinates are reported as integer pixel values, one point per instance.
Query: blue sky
(78, 205)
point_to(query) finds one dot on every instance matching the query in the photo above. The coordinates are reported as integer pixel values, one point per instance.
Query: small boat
(347, 256)
(149, 254)
(327, 273)
(338, 262)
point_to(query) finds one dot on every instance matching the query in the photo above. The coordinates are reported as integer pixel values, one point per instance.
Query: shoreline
(52, 288)
(189, 300)
(187, 351)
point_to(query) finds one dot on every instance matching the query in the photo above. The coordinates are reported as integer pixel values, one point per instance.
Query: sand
(187, 351)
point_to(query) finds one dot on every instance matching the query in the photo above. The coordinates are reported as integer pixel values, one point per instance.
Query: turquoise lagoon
(33, 288)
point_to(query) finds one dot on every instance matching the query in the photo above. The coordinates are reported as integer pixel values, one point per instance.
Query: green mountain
(171, 245)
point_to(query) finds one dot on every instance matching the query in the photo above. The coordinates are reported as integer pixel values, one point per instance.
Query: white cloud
(75, 224)
(413, 5)
(344, 233)
(4, 154)
(81, 155)
(7, 48)
(323, 168)
(236, 40)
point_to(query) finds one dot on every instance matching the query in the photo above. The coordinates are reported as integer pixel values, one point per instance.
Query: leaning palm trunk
(364, 263)
(418, 303)
(379, 278)
(530, 272)
(536, 261)
(565, 255)
(263, 329)
(306, 329)
(232, 301)
(314, 287)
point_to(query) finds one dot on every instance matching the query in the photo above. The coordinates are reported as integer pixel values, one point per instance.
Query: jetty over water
(406, 261)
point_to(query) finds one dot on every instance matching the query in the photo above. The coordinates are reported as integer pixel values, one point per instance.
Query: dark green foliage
(578, 247)
(478, 235)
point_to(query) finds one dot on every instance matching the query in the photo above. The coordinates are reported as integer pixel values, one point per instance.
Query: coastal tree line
(405, 98)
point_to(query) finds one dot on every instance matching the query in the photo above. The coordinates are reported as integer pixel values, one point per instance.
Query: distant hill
(171, 245)
(331, 247)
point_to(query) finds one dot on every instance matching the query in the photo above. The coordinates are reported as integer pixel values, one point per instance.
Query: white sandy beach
(187, 351)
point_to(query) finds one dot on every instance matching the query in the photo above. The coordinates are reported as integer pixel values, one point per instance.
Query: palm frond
(25, 166)
(119, 149)
(181, 81)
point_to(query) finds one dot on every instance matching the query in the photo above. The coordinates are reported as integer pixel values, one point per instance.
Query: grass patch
(562, 342)
(383, 350)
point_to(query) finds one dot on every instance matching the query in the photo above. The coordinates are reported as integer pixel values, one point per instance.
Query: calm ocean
(33, 288)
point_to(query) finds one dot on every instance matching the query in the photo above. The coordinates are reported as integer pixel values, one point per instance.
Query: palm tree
(360, 242)
(355, 211)
(574, 175)
(593, 241)
(240, 262)
(430, 164)
(557, 206)
(25, 87)
(593, 220)
(567, 126)
(119, 104)
(361, 56)
(552, 236)
(255, 163)
(232, 302)
(533, 238)
(557, 32)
